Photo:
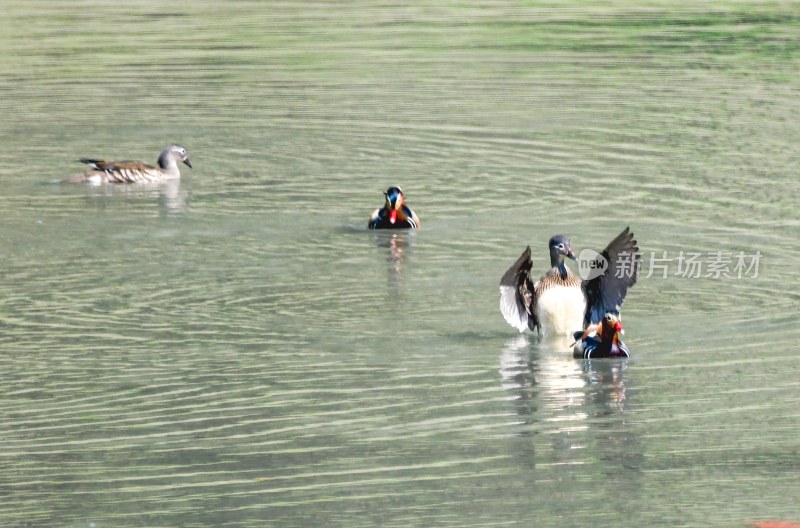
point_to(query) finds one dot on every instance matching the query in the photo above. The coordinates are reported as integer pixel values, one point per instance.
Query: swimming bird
(135, 171)
(560, 303)
(601, 340)
(395, 214)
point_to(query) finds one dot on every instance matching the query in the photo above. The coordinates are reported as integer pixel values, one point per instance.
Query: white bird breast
(560, 310)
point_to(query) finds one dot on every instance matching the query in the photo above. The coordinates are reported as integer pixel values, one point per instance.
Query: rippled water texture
(237, 349)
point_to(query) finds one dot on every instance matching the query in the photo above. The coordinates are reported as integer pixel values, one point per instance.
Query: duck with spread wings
(560, 303)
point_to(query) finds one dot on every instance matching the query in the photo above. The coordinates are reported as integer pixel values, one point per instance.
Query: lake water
(237, 349)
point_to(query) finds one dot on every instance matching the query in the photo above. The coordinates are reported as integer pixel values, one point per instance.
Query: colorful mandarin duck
(395, 214)
(560, 303)
(601, 340)
(135, 171)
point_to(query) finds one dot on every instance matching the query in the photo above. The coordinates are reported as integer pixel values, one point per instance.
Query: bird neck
(557, 263)
(400, 212)
(169, 166)
(167, 162)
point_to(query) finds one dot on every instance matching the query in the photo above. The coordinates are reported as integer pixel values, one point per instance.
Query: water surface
(237, 349)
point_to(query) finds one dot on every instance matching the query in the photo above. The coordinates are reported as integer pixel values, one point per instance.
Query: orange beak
(393, 216)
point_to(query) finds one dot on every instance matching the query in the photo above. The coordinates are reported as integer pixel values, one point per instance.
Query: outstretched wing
(606, 292)
(517, 296)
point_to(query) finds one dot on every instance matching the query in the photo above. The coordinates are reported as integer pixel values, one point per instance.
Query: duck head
(174, 154)
(560, 247)
(611, 327)
(394, 202)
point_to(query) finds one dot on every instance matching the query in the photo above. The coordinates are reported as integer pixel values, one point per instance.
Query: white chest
(560, 311)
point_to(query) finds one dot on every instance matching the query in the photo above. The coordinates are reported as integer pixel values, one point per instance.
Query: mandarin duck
(560, 303)
(135, 171)
(395, 214)
(601, 340)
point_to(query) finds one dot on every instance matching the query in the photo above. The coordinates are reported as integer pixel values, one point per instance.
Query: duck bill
(187, 163)
(393, 216)
(572, 256)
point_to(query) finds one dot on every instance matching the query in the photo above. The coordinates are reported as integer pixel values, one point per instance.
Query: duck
(560, 303)
(601, 340)
(395, 214)
(135, 171)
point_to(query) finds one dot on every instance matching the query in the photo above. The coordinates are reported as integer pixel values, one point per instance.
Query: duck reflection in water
(171, 199)
(578, 405)
(398, 245)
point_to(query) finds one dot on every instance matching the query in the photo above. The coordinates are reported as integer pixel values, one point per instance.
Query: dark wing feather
(607, 292)
(93, 163)
(517, 296)
(113, 166)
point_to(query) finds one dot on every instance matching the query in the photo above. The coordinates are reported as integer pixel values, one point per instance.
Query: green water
(237, 349)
